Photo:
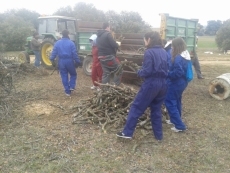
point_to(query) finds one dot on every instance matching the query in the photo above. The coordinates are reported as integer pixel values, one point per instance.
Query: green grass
(207, 42)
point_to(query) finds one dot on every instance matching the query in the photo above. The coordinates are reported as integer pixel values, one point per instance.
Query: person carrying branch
(68, 61)
(153, 90)
(107, 48)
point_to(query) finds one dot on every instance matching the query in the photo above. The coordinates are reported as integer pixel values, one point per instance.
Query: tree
(126, 22)
(114, 19)
(123, 22)
(132, 22)
(65, 11)
(26, 15)
(223, 36)
(212, 27)
(14, 31)
(87, 12)
(82, 11)
(200, 29)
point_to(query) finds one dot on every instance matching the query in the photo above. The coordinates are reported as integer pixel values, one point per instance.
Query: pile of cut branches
(109, 108)
(10, 67)
(6, 83)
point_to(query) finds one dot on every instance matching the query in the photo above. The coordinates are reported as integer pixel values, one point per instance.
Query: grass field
(39, 137)
(37, 134)
(207, 43)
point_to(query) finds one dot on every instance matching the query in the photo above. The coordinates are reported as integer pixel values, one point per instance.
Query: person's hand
(78, 64)
(119, 43)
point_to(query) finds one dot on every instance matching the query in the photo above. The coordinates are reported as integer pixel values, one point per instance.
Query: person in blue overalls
(68, 59)
(168, 48)
(152, 93)
(177, 83)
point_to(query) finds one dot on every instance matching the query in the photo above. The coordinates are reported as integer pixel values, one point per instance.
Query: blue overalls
(152, 92)
(176, 85)
(66, 51)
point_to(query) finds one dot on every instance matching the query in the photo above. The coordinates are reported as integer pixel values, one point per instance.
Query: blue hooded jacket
(178, 69)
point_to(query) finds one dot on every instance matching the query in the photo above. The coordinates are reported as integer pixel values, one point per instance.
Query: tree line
(17, 25)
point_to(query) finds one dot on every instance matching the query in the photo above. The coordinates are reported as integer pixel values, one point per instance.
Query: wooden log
(219, 88)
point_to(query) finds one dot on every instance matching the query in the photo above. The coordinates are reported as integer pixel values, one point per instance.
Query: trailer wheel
(87, 65)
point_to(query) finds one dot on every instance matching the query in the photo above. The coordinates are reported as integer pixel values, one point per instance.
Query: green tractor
(50, 28)
(24, 56)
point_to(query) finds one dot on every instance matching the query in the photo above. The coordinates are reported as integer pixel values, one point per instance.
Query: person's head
(178, 46)
(36, 35)
(106, 26)
(65, 33)
(152, 38)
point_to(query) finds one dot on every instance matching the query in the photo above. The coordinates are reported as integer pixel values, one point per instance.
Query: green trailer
(172, 27)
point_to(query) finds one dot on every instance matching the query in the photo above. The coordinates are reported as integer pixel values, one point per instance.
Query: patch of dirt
(36, 108)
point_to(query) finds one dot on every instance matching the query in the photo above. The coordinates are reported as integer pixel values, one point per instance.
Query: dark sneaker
(122, 135)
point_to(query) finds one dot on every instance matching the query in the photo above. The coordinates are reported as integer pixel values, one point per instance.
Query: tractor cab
(50, 29)
(52, 26)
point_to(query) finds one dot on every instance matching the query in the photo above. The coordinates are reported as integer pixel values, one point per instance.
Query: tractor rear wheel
(46, 50)
(87, 65)
(23, 57)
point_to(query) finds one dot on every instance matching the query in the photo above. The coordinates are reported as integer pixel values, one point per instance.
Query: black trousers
(196, 64)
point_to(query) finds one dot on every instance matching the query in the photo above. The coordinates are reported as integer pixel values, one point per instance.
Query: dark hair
(164, 42)
(155, 39)
(35, 34)
(65, 33)
(105, 25)
(178, 45)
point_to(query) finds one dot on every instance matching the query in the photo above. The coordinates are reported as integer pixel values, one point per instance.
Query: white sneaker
(67, 95)
(98, 89)
(176, 130)
(93, 87)
(168, 122)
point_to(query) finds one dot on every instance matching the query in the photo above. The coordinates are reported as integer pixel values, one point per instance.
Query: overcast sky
(148, 9)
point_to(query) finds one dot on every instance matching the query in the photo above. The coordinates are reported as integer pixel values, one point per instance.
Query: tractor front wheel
(23, 57)
(46, 50)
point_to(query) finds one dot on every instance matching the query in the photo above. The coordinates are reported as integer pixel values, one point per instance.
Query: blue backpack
(189, 72)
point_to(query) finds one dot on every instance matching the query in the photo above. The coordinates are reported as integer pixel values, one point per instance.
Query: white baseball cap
(93, 37)
(168, 43)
